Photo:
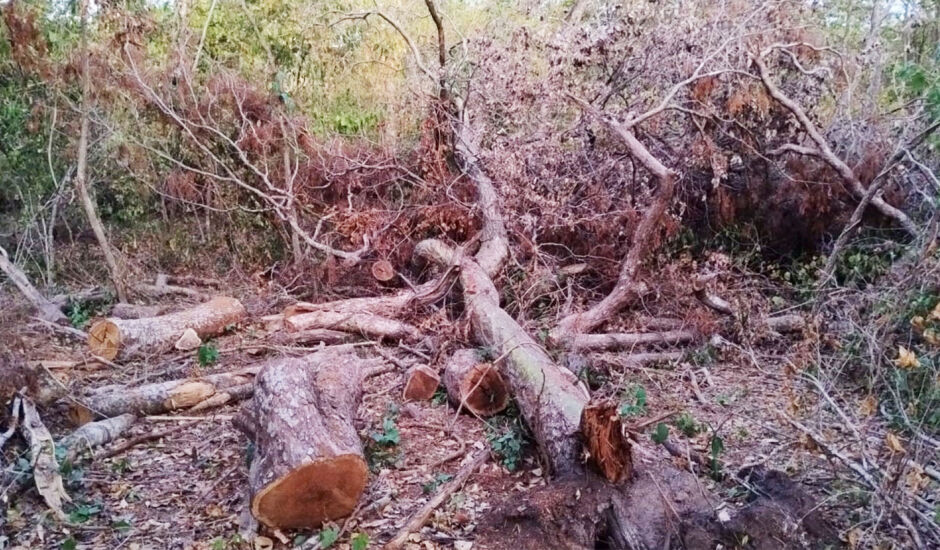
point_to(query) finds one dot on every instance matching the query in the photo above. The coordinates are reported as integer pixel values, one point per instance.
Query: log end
(607, 447)
(484, 391)
(420, 383)
(313, 493)
(104, 339)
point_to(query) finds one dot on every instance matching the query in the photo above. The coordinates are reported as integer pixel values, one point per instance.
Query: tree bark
(81, 171)
(113, 337)
(475, 385)
(308, 465)
(550, 397)
(47, 310)
(164, 396)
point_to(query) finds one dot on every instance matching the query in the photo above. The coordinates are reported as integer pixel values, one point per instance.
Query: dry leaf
(854, 537)
(262, 543)
(42, 456)
(915, 480)
(935, 314)
(868, 406)
(894, 443)
(906, 359)
(918, 323)
(932, 337)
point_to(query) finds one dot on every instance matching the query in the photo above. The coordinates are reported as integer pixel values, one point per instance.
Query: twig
(418, 520)
(143, 439)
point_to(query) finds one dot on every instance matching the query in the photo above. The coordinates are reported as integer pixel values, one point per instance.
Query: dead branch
(47, 310)
(96, 434)
(373, 326)
(643, 238)
(825, 152)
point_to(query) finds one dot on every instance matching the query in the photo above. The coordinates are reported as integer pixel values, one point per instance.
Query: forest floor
(187, 489)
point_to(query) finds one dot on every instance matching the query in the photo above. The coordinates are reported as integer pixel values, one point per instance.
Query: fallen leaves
(894, 443)
(906, 359)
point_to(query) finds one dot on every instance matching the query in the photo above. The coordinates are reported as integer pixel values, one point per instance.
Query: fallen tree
(308, 464)
(114, 337)
(550, 397)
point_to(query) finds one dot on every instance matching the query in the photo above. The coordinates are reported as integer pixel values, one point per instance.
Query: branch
(364, 16)
(626, 286)
(826, 153)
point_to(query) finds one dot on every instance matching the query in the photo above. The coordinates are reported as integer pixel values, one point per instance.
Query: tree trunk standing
(308, 465)
(475, 385)
(113, 337)
(47, 310)
(81, 182)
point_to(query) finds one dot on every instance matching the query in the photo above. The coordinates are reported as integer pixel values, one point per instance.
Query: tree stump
(112, 337)
(474, 385)
(308, 464)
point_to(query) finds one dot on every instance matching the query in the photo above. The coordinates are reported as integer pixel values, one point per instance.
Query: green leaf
(360, 541)
(121, 526)
(660, 434)
(328, 536)
(83, 512)
(207, 355)
(69, 544)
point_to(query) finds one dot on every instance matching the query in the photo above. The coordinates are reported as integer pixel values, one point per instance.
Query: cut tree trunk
(366, 324)
(475, 385)
(308, 464)
(421, 382)
(47, 310)
(113, 337)
(550, 397)
(163, 396)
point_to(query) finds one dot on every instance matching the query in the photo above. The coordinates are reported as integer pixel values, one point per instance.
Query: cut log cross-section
(421, 382)
(113, 337)
(308, 465)
(475, 385)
